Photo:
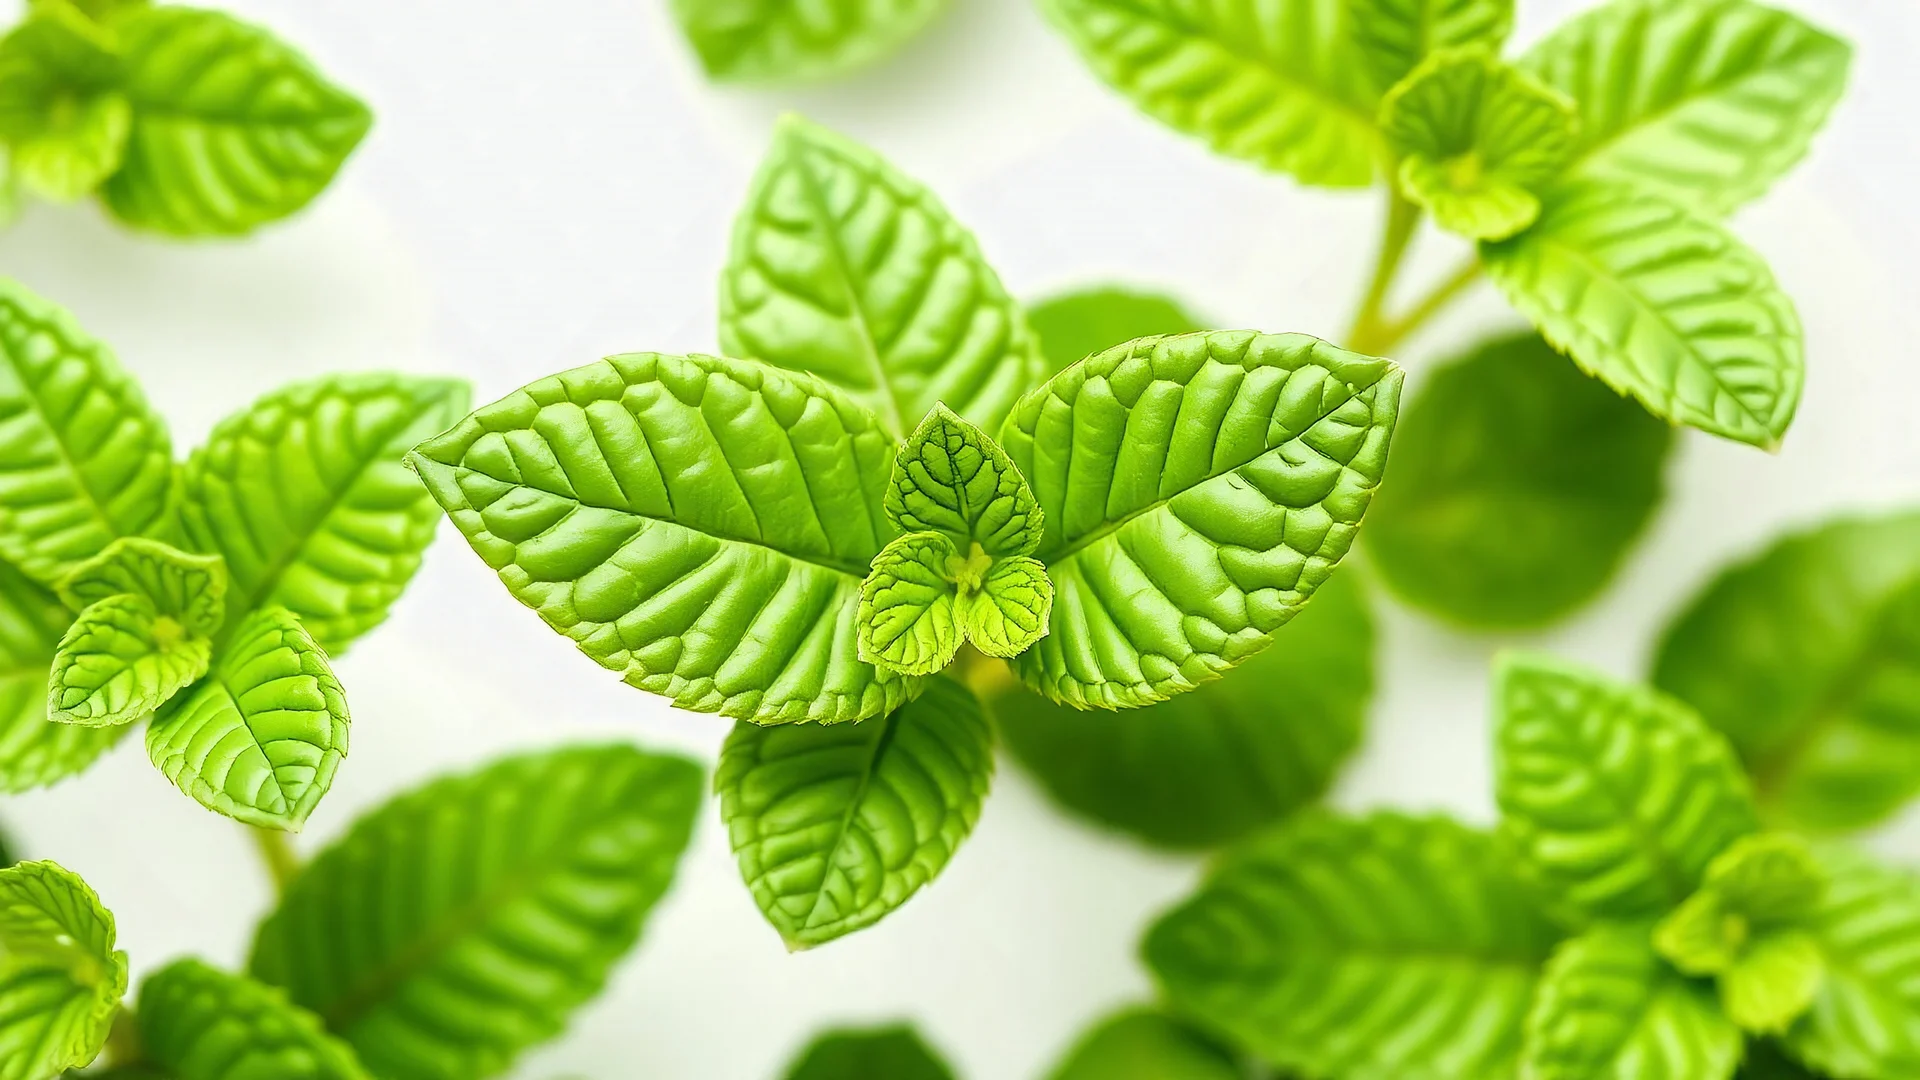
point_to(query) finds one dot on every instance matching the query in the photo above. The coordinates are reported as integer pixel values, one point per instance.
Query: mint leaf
(1608, 1008)
(1662, 305)
(1518, 486)
(394, 934)
(121, 660)
(1208, 767)
(259, 740)
(1073, 326)
(191, 588)
(1705, 935)
(1771, 878)
(35, 751)
(951, 478)
(82, 458)
(200, 1023)
(699, 525)
(895, 1052)
(1279, 84)
(1807, 656)
(1616, 797)
(1774, 983)
(1010, 611)
(907, 617)
(769, 40)
(1704, 103)
(1394, 36)
(1145, 1044)
(232, 129)
(1165, 469)
(306, 495)
(837, 826)
(844, 268)
(61, 114)
(60, 976)
(1743, 926)
(1865, 1019)
(1319, 947)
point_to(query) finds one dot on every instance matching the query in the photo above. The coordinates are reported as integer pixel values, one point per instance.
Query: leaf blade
(35, 751)
(1074, 325)
(1394, 36)
(952, 479)
(200, 1023)
(61, 980)
(119, 661)
(907, 619)
(1145, 1044)
(1865, 1020)
(784, 40)
(895, 1052)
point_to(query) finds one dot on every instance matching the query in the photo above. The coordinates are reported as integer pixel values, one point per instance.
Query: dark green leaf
(200, 1023)
(885, 1053)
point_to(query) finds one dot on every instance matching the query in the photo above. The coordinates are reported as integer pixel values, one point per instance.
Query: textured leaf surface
(885, 1053)
(232, 129)
(306, 496)
(1209, 767)
(699, 525)
(1807, 656)
(1010, 611)
(1196, 490)
(1278, 83)
(1518, 486)
(1073, 326)
(1382, 947)
(951, 478)
(192, 588)
(82, 458)
(907, 619)
(1616, 797)
(60, 113)
(1866, 1019)
(1394, 36)
(200, 1023)
(1706, 103)
(835, 827)
(61, 979)
(119, 661)
(846, 269)
(259, 740)
(1145, 1044)
(761, 40)
(35, 751)
(1662, 305)
(464, 921)
(1774, 983)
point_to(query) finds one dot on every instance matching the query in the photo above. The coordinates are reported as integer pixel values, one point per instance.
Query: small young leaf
(1196, 490)
(951, 478)
(61, 113)
(260, 739)
(231, 128)
(844, 268)
(1704, 935)
(1073, 326)
(61, 979)
(1771, 878)
(200, 1023)
(1616, 797)
(548, 864)
(82, 458)
(791, 40)
(1386, 946)
(907, 619)
(1807, 656)
(1394, 36)
(191, 588)
(1705, 103)
(35, 751)
(699, 525)
(1280, 84)
(121, 660)
(837, 826)
(1145, 1044)
(1662, 305)
(1774, 983)
(1865, 1019)
(896, 1052)
(1517, 488)
(1010, 611)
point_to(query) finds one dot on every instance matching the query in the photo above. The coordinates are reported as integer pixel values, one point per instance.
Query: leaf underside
(792, 40)
(200, 1023)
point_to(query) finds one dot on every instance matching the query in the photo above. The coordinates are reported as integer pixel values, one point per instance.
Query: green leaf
(1774, 983)
(546, 863)
(1865, 1020)
(260, 739)
(1145, 1044)
(951, 478)
(61, 979)
(699, 525)
(200, 1023)
(121, 660)
(1662, 305)
(1704, 935)
(82, 458)
(1386, 946)
(191, 588)
(1740, 925)
(1280, 84)
(907, 619)
(1616, 797)
(895, 1052)
(1196, 491)
(1807, 656)
(1073, 326)
(306, 495)
(844, 268)
(1771, 878)
(232, 128)
(835, 827)
(1010, 612)
(1209, 767)
(35, 751)
(1518, 486)
(1609, 1009)
(1394, 36)
(1766, 1061)
(61, 113)
(792, 40)
(1706, 103)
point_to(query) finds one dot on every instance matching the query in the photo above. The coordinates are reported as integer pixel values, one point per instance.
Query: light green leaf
(1807, 656)
(260, 739)
(1662, 305)
(699, 525)
(232, 128)
(1209, 767)
(1609, 1009)
(1009, 613)
(1517, 488)
(121, 660)
(951, 478)
(61, 113)
(907, 619)
(792, 40)
(35, 751)
(1145, 1044)
(896, 1052)
(1196, 491)
(1704, 935)
(464, 921)
(200, 1023)
(61, 979)
(1616, 797)
(835, 827)
(191, 588)
(1280, 84)
(82, 458)
(1774, 983)
(1706, 103)
(1073, 326)
(1394, 36)
(1771, 878)
(844, 268)
(1865, 1020)
(1381, 947)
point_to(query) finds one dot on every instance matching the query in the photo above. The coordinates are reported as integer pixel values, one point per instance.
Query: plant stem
(1402, 218)
(1388, 333)
(277, 852)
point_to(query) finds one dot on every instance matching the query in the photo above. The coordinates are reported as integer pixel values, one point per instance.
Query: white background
(551, 182)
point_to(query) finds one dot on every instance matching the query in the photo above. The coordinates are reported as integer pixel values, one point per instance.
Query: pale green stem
(276, 850)
(1402, 218)
(1388, 333)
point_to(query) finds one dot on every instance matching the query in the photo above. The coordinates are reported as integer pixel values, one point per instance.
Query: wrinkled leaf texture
(35, 751)
(200, 1023)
